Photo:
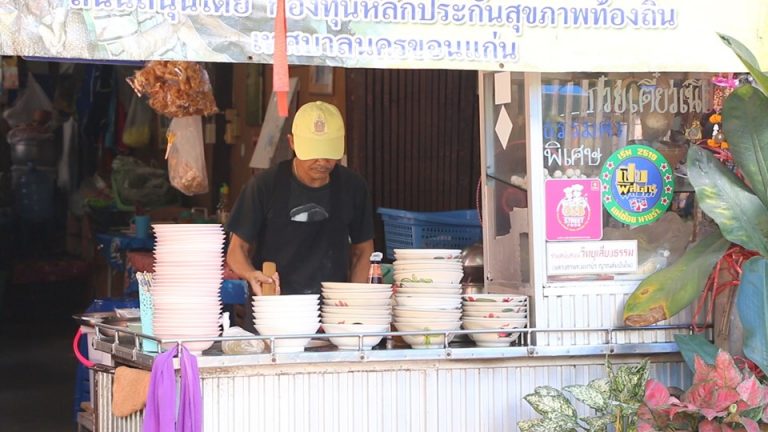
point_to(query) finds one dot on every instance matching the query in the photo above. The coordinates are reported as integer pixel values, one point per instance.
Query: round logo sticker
(637, 185)
(573, 212)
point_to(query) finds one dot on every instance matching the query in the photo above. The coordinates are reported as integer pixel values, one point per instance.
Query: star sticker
(609, 165)
(663, 166)
(606, 176)
(668, 189)
(664, 201)
(667, 177)
(607, 198)
(605, 187)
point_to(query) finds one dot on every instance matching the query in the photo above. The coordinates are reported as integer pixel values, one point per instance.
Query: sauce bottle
(374, 271)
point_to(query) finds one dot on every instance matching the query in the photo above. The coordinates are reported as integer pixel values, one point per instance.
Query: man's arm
(359, 261)
(238, 258)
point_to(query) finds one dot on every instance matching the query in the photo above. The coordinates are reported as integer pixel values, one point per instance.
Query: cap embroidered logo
(320, 124)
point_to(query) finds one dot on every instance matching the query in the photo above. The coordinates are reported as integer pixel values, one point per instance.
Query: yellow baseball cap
(318, 132)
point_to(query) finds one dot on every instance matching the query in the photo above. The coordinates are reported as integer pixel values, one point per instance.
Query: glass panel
(506, 177)
(588, 117)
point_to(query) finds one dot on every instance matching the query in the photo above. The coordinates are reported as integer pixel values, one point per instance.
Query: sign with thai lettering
(638, 184)
(523, 35)
(592, 257)
(573, 209)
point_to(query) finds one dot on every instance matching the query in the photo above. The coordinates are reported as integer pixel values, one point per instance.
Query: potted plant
(735, 195)
(614, 399)
(722, 398)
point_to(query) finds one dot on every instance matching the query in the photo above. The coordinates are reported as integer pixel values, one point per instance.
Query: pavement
(38, 369)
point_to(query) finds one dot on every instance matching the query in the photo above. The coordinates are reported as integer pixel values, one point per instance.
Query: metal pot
(473, 288)
(472, 260)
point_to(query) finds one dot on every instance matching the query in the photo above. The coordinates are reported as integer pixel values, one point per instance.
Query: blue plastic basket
(429, 230)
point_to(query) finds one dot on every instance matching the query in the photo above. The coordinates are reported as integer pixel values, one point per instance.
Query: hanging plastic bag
(186, 155)
(175, 88)
(137, 124)
(31, 100)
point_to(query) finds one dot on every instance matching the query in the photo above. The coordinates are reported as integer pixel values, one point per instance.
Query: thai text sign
(592, 257)
(573, 209)
(526, 35)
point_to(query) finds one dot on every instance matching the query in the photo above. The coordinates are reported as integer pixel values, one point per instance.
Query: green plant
(735, 196)
(722, 398)
(615, 400)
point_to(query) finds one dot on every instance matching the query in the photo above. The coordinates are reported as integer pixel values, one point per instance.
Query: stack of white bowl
(187, 278)
(495, 311)
(356, 308)
(428, 294)
(286, 315)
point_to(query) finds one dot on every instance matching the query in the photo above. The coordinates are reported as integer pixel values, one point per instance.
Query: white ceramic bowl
(444, 292)
(427, 276)
(428, 285)
(494, 323)
(351, 342)
(352, 286)
(357, 295)
(430, 261)
(427, 253)
(432, 302)
(369, 303)
(354, 310)
(404, 266)
(494, 340)
(282, 329)
(288, 316)
(436, 340)
(388, 289)
(496, 298)
(280, 323)
(399, 319)
(491, 314)
(494, 307)
(437, 314)
(292, 299)
(355, 320)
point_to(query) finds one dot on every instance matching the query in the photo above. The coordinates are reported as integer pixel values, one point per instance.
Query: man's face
(315, 169)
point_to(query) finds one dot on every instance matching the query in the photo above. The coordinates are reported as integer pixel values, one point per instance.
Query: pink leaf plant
(721, 398)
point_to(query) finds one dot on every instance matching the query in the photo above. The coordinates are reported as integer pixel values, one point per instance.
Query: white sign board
(591, 257)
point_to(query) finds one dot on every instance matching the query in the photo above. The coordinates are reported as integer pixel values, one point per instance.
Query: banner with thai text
(516, 35)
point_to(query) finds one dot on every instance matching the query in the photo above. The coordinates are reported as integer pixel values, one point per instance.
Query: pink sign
(573, 209)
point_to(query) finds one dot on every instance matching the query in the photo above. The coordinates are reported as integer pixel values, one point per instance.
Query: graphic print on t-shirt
(308, 204)
(308, 213)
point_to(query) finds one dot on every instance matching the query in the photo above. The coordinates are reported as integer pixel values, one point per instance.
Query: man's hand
(238, 258)
(256, 278)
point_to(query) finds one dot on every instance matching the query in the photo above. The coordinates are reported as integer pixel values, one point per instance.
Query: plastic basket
(429, 230)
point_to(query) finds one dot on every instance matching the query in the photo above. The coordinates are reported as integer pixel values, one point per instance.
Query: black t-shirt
(306, 231)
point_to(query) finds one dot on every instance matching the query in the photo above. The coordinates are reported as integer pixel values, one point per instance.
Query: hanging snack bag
(175, 88)
(186, 155)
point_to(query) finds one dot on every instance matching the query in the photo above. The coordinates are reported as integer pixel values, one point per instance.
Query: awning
(528, 35)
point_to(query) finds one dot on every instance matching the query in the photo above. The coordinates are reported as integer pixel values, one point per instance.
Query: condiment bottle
(374, 271)
(222, 208)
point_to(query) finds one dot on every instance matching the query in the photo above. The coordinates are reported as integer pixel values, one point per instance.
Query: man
(309, 215)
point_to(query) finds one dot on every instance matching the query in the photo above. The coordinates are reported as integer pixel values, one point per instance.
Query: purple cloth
(160, 413)
(191, 404)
